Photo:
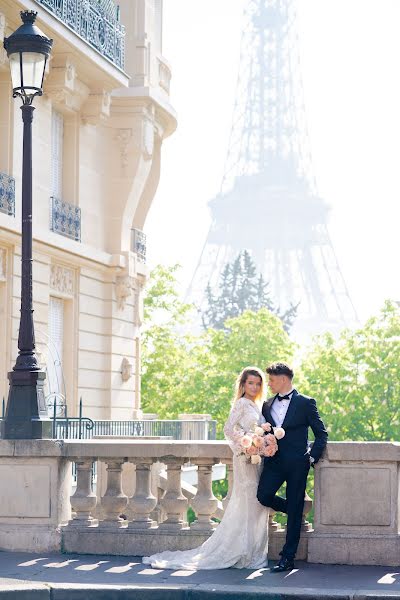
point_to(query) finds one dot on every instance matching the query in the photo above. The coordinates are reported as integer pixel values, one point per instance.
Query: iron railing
(74, 428)
(7, 194)
(138, 244)
(96, 21)
(83, 428)
(65, 219)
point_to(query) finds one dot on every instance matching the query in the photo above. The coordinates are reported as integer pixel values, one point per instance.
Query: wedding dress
(241, 539)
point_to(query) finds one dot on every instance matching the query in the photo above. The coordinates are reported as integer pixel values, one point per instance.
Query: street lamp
(26, 417)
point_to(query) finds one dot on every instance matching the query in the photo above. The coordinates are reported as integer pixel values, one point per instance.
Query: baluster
(204, 503)
(114, 500)
(174, 502)
(83, 501)
(273, 526)
(229, 474)
(308, 504)
(142, 503)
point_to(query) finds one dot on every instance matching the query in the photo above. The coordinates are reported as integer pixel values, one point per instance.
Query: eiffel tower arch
(268, 202)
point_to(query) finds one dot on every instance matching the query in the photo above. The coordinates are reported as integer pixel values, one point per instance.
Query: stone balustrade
(356, 499)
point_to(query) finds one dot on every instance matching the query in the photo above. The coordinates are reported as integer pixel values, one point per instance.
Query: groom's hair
(280, 368)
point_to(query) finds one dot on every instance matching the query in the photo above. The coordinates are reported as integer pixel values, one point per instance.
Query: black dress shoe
(285, 564)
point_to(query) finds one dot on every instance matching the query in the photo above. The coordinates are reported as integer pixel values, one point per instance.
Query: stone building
(97, 136)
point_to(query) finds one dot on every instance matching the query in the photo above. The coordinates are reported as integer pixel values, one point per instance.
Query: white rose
(259, 431)
(255, 459)
(279, 433)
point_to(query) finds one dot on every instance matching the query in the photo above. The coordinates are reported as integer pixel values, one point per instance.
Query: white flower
(255, 459)
(259, 430)
(279, 433)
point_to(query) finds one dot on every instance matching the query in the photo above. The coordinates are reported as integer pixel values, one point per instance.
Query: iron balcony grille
(96, 21)
(139, 244)
(65, 219)
(7, 194)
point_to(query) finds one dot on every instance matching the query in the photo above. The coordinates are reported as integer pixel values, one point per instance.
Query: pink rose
(270, 450)
(246, 441)
(271, 439)
(266, 426)
(258, 441)
(251, 451)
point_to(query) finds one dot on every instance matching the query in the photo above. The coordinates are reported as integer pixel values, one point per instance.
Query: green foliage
(241, 288)
(187, 373)
(356, 379)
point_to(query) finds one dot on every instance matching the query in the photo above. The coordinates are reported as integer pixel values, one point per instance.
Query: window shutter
(57, 140)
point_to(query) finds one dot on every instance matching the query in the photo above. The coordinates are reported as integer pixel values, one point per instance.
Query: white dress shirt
(280, 408)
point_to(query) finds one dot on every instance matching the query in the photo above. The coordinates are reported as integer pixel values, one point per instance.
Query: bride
(241, 539)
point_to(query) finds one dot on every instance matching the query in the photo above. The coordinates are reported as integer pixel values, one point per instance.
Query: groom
(295, 413)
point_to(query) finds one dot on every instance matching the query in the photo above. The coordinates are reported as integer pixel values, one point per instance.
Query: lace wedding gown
(241, 539)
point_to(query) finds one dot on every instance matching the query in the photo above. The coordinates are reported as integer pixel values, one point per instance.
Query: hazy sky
(350, 53)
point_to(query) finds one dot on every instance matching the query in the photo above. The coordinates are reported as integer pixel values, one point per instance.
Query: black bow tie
(280, 398)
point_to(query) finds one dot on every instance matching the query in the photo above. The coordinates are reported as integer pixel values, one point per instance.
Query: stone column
(204, 503)
(142, 503)
(83, 501)
(174, 502)
(114, 500)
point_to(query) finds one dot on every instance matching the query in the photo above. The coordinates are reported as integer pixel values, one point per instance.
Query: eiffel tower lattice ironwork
(268, 201)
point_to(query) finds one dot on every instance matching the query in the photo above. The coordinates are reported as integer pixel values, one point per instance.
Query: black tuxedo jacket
(302, 413)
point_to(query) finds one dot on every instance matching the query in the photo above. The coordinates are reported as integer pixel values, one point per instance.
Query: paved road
(76, 577)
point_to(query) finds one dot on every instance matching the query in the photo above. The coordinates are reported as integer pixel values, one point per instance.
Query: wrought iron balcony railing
(7, 194)
(65, 219)
(139, 244)
(96, 21)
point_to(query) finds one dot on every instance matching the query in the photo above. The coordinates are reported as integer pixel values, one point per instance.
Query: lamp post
(26, 416)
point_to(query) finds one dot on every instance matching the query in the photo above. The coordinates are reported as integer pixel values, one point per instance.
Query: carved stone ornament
(123, 137)
(123, 289)
(126, 369)
(3, 259)
(62, 279)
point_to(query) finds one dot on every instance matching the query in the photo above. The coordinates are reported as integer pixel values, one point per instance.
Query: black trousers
(294, 472)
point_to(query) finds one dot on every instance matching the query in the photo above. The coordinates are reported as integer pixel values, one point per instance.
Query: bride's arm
(233, 430)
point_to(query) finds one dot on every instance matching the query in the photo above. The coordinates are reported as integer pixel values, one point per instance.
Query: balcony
(96, 21)
(65, 219)
(7, 194)
(138, 244)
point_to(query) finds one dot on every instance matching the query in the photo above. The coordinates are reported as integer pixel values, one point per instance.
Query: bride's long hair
(242, 378)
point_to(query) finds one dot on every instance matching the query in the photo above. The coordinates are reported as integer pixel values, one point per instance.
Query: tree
(196, 373)
(241, 288)
(164, 348)
(357, 379)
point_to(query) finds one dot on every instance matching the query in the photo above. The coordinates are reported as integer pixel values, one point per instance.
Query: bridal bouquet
(260, 441)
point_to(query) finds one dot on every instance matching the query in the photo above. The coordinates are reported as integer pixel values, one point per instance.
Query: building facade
(97, 136)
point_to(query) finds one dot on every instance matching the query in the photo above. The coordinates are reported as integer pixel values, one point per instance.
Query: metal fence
(75, 428)
(84, 428)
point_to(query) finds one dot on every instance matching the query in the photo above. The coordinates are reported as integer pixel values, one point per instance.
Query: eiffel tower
(268, 202)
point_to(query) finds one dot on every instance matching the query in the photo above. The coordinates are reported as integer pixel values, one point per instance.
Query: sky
(350, 56)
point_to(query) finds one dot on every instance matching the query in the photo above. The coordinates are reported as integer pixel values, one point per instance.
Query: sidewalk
(76, 577)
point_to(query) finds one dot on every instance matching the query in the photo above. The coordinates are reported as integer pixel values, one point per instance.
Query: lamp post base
(26, 415)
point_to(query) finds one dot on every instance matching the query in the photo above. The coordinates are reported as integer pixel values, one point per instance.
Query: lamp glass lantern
(28, 50)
